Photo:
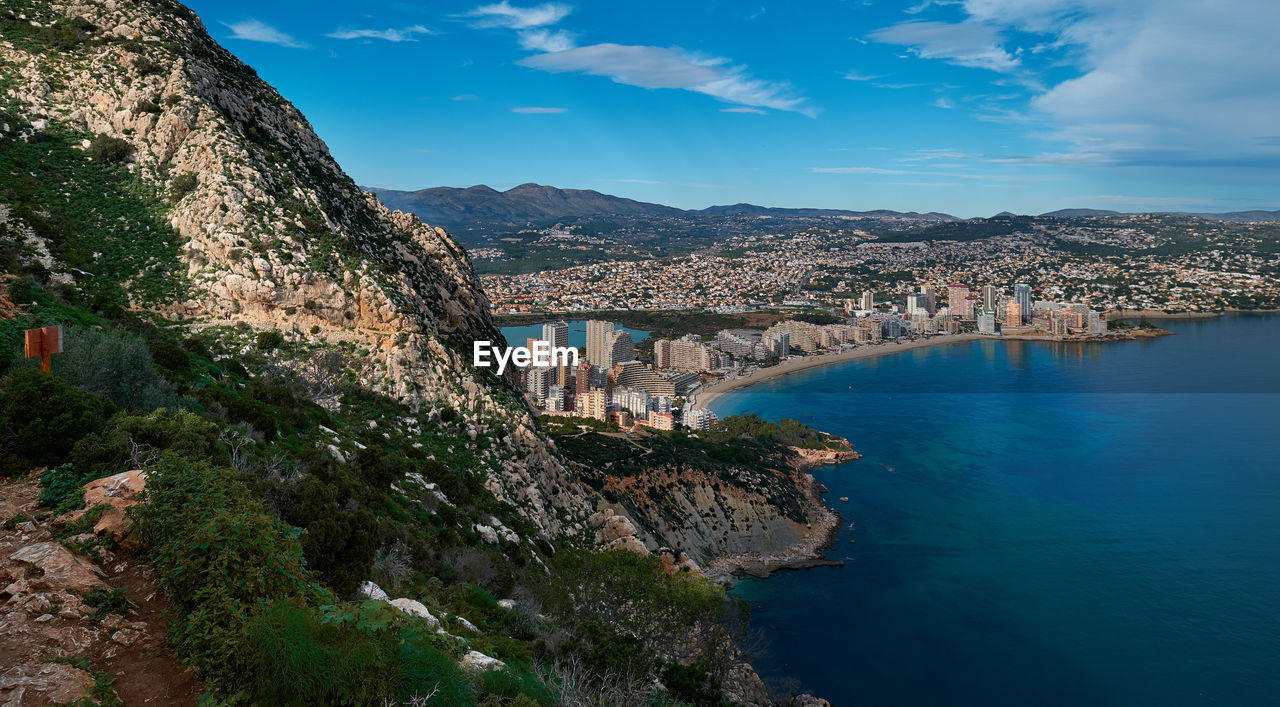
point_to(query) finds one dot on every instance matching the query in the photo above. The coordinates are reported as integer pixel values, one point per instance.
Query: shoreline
(708, 395)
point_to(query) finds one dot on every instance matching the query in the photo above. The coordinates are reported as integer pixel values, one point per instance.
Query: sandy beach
(708, 394)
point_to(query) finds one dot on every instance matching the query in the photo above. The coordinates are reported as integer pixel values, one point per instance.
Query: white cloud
(539, 110)
(405, 34)
(545, 40)
(1160, 83)
(855, 76)
(463, 97)
(671, 67)
(973, 44)
(257, 31)
(504, 14)
(742, 109)
(944, 102)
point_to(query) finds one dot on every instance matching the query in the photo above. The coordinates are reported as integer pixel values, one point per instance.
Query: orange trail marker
(42, 344)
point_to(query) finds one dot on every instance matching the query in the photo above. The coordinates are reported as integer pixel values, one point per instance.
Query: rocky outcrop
(476, 663)
(802, 458)
(723, 523)
(117, 493)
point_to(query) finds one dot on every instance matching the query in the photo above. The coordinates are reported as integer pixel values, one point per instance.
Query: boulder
(630, 542)
(369, 590)
(61, 568)
(487, 534)
(416, 609)
(466, 624)
(507, 604)
(617, 527)
(119, 492)
(476, 663)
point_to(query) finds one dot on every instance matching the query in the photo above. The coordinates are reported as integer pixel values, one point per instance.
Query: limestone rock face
(274, 234)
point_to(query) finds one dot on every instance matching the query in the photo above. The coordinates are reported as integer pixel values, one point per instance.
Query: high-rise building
(868, 302)
(931, 297)
(803, 335)
(633, 400)
(538, 381)
(737, 342)
(662, 421)
(582, 377)
(1097, 324)
(699, 418)
(682, 355)
(594, 403)
(556, 398)
(597, 339)
(557, 333)
(918, 306)
(959, 302)
(633, 374)
(618, 348)
(1022, 295)
(1012, 313)
(986, 321)
(989, 294)
(778, 343)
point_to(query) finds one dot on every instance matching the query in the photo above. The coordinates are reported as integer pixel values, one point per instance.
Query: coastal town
(674, 386)
(1130, 262)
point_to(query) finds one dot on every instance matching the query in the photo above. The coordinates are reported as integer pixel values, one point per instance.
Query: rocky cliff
(267, 228)
(755, 523)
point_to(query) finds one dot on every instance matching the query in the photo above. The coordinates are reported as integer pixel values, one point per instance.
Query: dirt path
(51, 646)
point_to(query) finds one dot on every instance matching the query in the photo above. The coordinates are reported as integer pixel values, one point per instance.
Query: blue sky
(969, 106)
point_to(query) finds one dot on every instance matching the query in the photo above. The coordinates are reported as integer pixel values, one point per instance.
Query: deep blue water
(1041, 524)
(516, 335)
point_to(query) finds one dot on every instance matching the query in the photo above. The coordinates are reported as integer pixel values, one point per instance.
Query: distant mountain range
(536, 203)
(1234, 216)
(451, 206)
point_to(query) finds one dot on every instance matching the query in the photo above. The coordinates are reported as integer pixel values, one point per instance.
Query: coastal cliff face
(265, 227)
(755, 524)
(727, 519)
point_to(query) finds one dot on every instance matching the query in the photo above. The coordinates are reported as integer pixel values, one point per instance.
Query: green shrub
(133, 440)
(182, 185)
(692, 684)
(67, 33)
(107, 149)
(270, 340)
(367, 654)
(107, 601)
(171, 357)
(114, 365)
(218, 556)
(59, 485)
(41, 417)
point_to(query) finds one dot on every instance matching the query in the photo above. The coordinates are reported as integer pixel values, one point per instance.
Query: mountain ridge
(538, 203)
(531, 202)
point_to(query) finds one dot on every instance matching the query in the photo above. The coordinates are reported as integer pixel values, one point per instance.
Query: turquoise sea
(1040, 524)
